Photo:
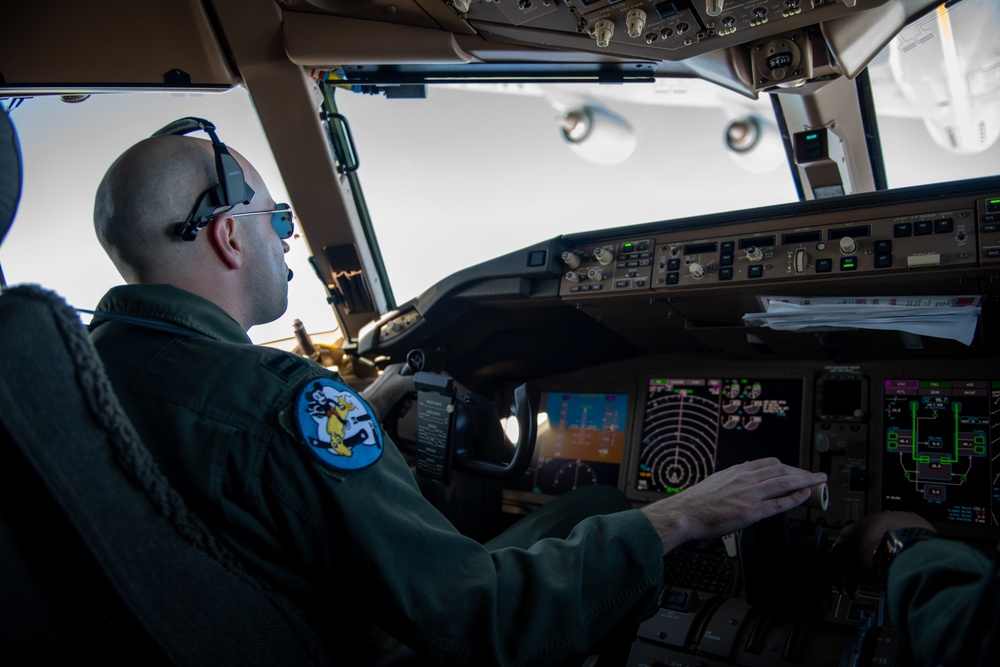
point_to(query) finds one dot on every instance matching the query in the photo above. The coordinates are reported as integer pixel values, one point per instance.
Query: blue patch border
(308, 428)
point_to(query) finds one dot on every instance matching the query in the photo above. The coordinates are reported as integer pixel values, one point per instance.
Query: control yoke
(527, 427)
(463, 433)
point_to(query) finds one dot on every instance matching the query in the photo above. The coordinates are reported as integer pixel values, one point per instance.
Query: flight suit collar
(171, 306)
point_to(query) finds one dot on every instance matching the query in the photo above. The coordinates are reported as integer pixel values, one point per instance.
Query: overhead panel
(661, 30)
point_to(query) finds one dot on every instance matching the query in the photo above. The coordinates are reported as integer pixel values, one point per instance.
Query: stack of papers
(938, 316)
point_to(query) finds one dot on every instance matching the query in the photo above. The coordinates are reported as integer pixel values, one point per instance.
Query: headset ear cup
(234, 185)
(232, 188)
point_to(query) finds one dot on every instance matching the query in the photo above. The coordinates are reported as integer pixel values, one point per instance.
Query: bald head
(146, 195)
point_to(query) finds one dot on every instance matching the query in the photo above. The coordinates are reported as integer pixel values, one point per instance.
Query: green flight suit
(944, 597)
(361, 551)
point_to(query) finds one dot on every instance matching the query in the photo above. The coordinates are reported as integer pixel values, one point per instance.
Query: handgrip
(525, 401)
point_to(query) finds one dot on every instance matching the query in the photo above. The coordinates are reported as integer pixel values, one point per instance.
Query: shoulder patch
(337, 425)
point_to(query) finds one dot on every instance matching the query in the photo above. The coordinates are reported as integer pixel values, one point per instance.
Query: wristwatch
(893, 543)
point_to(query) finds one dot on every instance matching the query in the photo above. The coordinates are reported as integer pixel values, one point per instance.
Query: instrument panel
(918, 237)
(670, 29)
(918, 437)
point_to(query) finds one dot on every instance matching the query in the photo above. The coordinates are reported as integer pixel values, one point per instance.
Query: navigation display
(580, 442)
(939, 441)
(695, 426)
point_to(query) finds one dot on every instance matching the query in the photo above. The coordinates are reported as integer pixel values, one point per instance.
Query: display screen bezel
(632, 466)
(514, 493)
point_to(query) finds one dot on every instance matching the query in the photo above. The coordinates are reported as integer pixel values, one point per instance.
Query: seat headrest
(10, 173)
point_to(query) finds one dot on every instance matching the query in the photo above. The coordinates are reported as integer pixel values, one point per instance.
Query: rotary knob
(571, 259)
(755, 254)
(848, 246)
(696, 269)
(604, 256)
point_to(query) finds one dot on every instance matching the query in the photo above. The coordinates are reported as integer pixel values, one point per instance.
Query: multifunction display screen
(939, 443)
(696, 426)
(581, 439)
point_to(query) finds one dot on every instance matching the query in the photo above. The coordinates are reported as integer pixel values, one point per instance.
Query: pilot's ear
(225, 241)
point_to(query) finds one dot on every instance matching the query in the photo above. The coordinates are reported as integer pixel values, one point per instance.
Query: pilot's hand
(730, 500)
(387, 390)
(851, 556)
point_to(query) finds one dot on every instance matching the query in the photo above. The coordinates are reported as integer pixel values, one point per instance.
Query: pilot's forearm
(387, 390)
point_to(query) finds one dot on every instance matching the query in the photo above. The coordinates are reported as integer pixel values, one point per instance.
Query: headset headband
(231, 190)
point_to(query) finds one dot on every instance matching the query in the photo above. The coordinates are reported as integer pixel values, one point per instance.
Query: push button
(944, 226)
(726, 273)
(923, 228)
(755, 271)
(824, 265)
(901, 229)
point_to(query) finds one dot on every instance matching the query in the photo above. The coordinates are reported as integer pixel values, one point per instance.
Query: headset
(232, 189)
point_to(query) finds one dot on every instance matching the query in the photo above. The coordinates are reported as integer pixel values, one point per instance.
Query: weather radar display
(696, 426)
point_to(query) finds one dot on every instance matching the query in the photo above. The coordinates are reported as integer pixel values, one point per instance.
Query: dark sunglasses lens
(281, 220)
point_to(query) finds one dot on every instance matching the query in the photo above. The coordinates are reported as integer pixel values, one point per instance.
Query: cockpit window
(937, 94)
(477, 170)
(473, 171)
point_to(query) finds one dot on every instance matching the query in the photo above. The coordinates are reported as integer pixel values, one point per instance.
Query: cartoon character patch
(338, 425)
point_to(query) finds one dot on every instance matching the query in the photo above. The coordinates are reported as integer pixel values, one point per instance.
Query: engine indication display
(695, 426)
(939, 441)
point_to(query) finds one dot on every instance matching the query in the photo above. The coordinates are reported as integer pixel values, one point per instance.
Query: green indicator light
(811, 137)
(995, 201)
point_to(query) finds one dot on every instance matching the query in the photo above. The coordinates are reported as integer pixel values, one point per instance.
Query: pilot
(943, 595)
(289, 466)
